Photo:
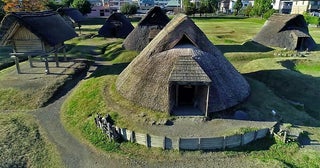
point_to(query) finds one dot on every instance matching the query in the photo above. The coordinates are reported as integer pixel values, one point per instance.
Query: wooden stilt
(46, 64)
(56, 58)
(16, 60)
(30, 61)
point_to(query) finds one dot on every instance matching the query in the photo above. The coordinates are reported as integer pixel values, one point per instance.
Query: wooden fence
(188, 143)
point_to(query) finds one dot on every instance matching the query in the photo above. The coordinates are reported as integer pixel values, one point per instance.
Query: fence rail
(185, 143)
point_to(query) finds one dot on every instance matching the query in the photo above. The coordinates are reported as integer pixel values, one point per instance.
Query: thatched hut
(148, 27)
(286, 31)
(35, 34)
(117, 25)
(72, 16)
(180, 67)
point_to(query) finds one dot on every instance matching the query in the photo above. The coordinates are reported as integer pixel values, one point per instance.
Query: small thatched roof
(73, 13)
(284, 30)
(49, 26)
(117, 25)
(181, 53)
(148, 27)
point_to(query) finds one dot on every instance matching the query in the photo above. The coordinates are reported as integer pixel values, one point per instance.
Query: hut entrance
(300, 45)
(186, 95)
(188, 99)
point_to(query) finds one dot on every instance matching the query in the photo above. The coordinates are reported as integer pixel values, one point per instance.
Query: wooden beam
(207, 100)
(56, 58)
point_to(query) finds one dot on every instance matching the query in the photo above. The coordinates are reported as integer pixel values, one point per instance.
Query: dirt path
(72, 151)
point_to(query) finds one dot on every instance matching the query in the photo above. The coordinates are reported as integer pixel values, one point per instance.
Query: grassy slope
(24, 144)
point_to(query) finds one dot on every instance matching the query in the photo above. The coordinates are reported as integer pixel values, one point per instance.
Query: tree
(237, 6)
(129, 9)
(66, 3)
(53, 5)
(261, 6)
(84, 6)
(24, 5)
(247, 11)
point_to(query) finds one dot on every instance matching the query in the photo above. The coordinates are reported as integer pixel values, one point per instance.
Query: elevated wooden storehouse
(148, 27)
(35, 34)
(116, 26)
(180, 68)
(72, 16)
(286, 31)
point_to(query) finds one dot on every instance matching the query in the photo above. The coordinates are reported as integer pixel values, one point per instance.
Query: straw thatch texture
(286, 31)
(49, 26)
(147, 28)
(73, 14)
(146, 80)
(117, 25)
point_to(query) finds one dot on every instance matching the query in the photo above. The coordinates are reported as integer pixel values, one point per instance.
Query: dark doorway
(186, 95)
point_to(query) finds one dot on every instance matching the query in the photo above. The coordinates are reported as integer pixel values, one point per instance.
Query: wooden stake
(16, 60)
(30, 61)
(46, 64)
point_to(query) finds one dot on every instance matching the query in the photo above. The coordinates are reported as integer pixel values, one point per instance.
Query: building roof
(148, 27)
(73, 13)
(277, 30)
(181, 53)
(49, 26)
(117, 25)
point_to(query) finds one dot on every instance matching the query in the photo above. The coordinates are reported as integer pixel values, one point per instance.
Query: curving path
(72, 151)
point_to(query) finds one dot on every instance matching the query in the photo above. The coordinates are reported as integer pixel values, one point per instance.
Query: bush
(315, 20)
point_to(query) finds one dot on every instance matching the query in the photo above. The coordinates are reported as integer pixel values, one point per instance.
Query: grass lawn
(24, 144)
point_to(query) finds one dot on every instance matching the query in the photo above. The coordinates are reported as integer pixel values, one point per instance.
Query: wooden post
(207, 100)
(56, 58)
(46, 64)
(16, 60)
(64, 53)
(30, 61)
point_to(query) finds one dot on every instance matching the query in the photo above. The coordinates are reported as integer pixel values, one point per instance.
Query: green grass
(24, 144)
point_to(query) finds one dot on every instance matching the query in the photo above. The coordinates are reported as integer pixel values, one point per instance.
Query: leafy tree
(261, 6)
(212, 6)
(267, 14)
(24, 5)
(247, 11)
(84, 6)
(188, 7)
(237, 6)
(129, 9)
(203, 6)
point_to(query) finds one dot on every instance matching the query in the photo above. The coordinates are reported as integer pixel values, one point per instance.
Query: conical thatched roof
(49, 26)
(146, 30)
(117, 25)
(286, 31)
(72, 13)
(181, 54)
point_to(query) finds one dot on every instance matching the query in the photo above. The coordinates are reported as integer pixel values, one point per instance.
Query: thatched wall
(146, 79)
(117, 25)
(282, 30)
(147, 28)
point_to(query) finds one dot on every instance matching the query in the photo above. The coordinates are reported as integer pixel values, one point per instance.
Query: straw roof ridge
(146, 80)
(49, 26)
(148, 27)
(117, 25)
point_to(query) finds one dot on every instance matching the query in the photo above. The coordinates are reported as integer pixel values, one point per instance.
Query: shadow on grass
(249, 46)
(297, 91)
(114, 69)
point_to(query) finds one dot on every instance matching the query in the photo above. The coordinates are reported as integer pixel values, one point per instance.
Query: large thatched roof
(181, 53)
(284, 30)
(117, 25)
(73, 13)
(49, 26)
(148, 27)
